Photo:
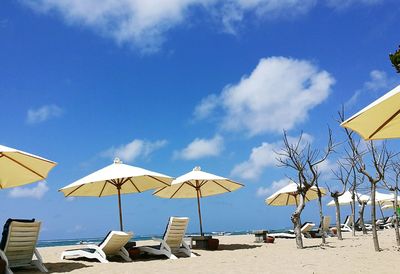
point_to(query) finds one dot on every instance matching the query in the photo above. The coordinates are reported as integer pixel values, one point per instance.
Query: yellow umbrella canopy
(19, 168)
(197, 184)
(289, 195)
(380, 119)
(116, 179)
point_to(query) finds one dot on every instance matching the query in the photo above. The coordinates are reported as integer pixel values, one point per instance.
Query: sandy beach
(239, 254)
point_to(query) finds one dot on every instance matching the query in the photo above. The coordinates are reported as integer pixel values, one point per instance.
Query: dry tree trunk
(361, 214)
(321, 215)
(297, 222)
(373, 217)
(396, 216)
(338, 227)
(353, 211)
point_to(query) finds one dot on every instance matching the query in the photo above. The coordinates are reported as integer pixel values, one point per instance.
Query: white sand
(239, 254)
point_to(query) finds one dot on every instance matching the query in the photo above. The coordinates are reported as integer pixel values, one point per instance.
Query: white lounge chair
(346, 226)
(18, 245)
(112, 245)
(389, 223)
(305, 229)
(172, 242)
(324, 228)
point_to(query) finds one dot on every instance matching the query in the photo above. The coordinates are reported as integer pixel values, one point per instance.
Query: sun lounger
(172, 241)
(18, 245)
(323, 229)
(389, 223)
(112, 245)
(359, 228)
(305, 229)
(348, 222)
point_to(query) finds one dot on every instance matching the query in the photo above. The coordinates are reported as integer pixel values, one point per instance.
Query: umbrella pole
(198, 208)
(120, 208)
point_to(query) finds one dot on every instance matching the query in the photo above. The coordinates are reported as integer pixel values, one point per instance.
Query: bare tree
(380, 160)
(304, 161)
(343, 176)
(321, 213)
(395, 166)
(362, 205)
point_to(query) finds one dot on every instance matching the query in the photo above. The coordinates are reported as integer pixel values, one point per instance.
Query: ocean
(79, 241)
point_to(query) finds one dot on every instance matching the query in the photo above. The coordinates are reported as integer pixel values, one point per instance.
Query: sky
(170, 85)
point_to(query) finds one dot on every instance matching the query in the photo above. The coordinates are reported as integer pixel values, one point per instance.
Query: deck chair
(305, 230)
(389, 223)
(112, 245)
(18, 245)
(323, 228)
(172, 241)
(368, 227)
(346, 226)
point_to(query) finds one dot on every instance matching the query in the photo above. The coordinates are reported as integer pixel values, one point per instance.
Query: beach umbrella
(345, 199)
(388, 206)
(19, 168)
(381, 198)
(378, 120)
(197, 184)
(289, 195)
(116, 179)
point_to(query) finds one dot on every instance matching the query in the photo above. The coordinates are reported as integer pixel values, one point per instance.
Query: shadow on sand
(55, 267)
(236, 246)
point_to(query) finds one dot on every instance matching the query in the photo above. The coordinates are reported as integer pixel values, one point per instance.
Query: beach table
(261, 236)
(201, 242)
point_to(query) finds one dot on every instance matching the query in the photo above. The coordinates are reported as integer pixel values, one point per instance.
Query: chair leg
(187, 252)
(171, 256)
(39, 262)
(4, 257)
(124, 254)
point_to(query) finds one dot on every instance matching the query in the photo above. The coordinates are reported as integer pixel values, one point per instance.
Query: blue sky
(171, 85)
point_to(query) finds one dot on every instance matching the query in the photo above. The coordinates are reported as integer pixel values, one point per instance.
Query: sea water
(79, 241)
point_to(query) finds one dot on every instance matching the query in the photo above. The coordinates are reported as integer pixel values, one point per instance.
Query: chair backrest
(176, 230)
(326, 222)
(114, 241)
(306, 227)
(20, 242)
(349, 220)
(389, 220)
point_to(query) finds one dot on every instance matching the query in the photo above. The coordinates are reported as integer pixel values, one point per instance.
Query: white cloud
(206, 107)
(232, 13)
(43, 114)
(264, 156)
(144, 24)
(36, 192)
(275, 186)
(260, 158)
(131, 151)
(342, 4)
(378, 81)
(200, 148)
(277, 95)
(325, 169)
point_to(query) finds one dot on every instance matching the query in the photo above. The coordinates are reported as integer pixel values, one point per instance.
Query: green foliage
(395, 59)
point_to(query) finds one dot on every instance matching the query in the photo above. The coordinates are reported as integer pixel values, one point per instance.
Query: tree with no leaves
(304, 161)
(343, 176)
(380, 162)
(359, 182)
(321, 214)
(395, 166)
